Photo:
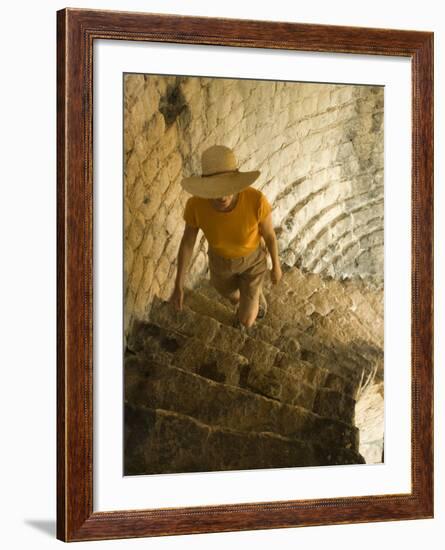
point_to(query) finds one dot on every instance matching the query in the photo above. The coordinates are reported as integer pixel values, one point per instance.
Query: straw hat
(220, 175)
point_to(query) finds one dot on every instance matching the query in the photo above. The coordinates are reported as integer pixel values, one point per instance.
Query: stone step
(305, 285)
(354, 360)
(203, 304)
(320, 298)
(320, 372)
(361, 291)
(211, 332)
(288, 341)
(365, 304)
(300, 285)
(347, 331)
(200, 303)
(284, 384)
(351, 327)
(282, 321)
(310, 287)
(167, 345)
(159, 442)
(205, 298)
(305, 313)
(340, 329)
(376, 299)
(169, 387)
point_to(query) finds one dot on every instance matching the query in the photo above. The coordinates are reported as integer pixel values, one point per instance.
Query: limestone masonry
(305, 387)
(296, 390)
(320, 151)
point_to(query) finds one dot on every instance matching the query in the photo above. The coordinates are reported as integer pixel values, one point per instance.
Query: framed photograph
(245, 288)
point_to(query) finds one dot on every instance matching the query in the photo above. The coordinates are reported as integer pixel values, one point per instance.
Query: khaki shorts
(245, 274)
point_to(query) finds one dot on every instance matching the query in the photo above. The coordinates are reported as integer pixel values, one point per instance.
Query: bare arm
(268, 233)
(184, 256)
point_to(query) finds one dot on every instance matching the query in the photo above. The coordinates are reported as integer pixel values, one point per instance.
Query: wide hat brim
(219, 185)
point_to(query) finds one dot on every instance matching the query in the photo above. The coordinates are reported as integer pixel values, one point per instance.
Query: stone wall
(320, 151)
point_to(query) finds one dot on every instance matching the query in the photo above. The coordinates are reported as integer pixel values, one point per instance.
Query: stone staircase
(201, 395)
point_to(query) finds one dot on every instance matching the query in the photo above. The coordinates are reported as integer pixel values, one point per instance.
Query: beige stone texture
(319, 148)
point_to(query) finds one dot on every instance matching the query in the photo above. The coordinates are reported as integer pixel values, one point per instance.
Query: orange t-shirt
(234, 233)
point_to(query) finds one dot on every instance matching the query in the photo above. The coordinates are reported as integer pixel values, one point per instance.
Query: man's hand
(276, 274)
(177, 298)
(184, 255)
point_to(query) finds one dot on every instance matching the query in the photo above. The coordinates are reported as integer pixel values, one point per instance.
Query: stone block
(224, 107)
(152, 200)
(155, 128)
(172, 221)
(129, 302)
(210, 364)
(308, 90)
(133, 85)
(347, 113)
(302, 128)
(190, 87)
(235, 116)
(371, 239)
(137, 116)
(309, 106)
(345, 151)
(168, 141)
(135, 234)
(137, 271)
(150, 168)
(367, 212)
(312, 143)
(322, 302)
(147, 277)
(141, 301)
(259, 354)
(146, 244)
(342, 95)
(332, 404)
(158, 243)
(323, 101)
(166, 442)
(138, 194)
(200, 303)
(132, 171)
(150, 100)
(162, 269)
(321, 159)
(128, 260)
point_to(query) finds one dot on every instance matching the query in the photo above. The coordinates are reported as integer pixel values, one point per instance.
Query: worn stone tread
(283, 383)
(287, 343)
(169, 345)
(169, 387)
(211, 332)
(201, 395)
(350, 367)
(159, 441)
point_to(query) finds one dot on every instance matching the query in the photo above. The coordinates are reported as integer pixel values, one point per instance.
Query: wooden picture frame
(76, 32)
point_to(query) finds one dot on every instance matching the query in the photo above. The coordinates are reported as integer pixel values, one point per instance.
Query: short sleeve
(190, 213)
(264, 209)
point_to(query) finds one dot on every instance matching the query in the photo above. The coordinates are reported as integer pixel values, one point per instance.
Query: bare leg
(248, 308)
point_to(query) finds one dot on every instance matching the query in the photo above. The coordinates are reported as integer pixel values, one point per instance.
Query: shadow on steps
(203, 396)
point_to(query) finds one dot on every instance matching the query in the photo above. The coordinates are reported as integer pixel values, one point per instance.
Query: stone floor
(303, 387)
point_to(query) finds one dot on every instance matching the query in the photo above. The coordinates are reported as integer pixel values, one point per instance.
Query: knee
(248, 310)
(247, 320)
